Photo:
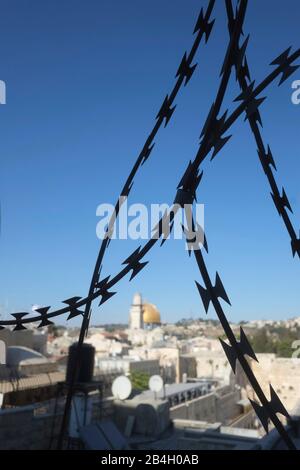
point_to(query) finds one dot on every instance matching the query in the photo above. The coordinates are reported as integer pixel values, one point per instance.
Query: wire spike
(134, 261)
(74, 311)
(186, 176)
(187, 186)
(195, 237)
(71, 300)
(203, 25)
(261, 414)
(146, 152)
(276, 403)
(230, 354)
(282, 58)
(185, 69)
(19, 327)
(270, 159)
(246, 94)
(266, 160)
(137, 266)
(133, 257)
(219, 289)
(240, 56)
(281, 202)
(208, 121)
(163, 227)
(245, 346)
(45, 322)
(43, 311)
(288, 71)
(245, 72)
(18, 316)
(219, 144)
(295, 243)
(205, 296)
(105, 296)
(166, 111)
(202, 237)
(252, 109)
(164, 239)
(102, 284)
(285, 201)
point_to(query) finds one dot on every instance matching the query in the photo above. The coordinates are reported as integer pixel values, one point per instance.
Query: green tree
(139, 380)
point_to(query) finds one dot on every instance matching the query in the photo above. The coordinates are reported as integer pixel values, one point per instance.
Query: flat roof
(174, 389)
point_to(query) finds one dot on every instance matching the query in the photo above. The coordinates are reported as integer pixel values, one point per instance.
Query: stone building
(143, 315)
(136, 313)
(126, 365)
(36, 340)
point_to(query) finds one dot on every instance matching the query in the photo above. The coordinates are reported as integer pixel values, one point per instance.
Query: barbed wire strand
(236, 350)
(184, 72)
(264, 152)
(212, 137)
(74, 303)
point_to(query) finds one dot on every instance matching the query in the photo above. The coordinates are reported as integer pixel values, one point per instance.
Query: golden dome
(150, 314)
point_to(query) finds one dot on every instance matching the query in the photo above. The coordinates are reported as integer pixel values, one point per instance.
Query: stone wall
(31, 427)
(148, 366)
(21, 429)
(245, 421)
(283, 374)
(168, 361)
(188, 366)
(213, 364)
(214, 407)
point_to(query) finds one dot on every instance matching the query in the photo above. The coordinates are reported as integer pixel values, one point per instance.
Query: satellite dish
(156, 383)
(121, 387)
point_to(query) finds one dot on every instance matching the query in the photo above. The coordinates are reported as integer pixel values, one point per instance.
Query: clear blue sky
(85, 80)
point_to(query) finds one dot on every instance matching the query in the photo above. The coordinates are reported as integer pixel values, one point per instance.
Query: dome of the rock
(151, 314)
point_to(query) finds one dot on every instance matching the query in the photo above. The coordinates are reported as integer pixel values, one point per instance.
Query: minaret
(136, 313)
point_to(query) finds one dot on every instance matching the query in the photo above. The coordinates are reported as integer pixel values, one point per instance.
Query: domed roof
(150, 314)
(18, 355)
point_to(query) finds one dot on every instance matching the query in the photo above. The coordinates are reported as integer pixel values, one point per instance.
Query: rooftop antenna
(156, 384)
(121, 388)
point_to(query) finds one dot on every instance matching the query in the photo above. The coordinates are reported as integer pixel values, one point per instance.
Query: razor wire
(212, 138)
(185, 71)
(236, 350)
(211, 293)
(265, 154)
(223, 124)
(189, 183)
(226, 72)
